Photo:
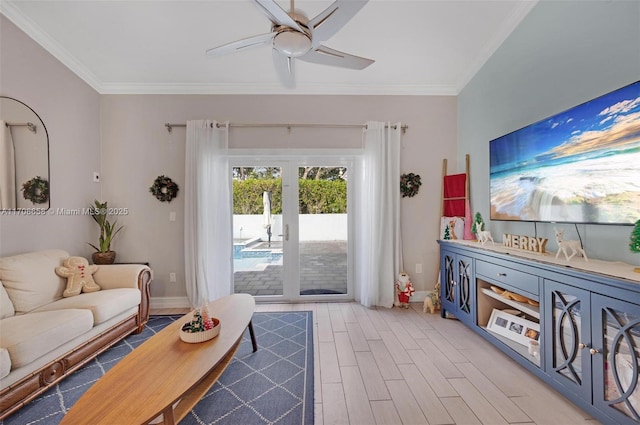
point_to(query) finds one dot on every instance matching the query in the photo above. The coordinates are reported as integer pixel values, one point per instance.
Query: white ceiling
(153, 46)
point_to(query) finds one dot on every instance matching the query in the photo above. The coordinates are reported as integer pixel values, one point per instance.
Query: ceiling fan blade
(329, 22)
(235, 46)
(326, 56)
(284, 69)
(277, 14)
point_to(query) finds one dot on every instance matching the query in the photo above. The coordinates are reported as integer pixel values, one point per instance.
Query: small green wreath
(410, 184)
(36, 190)
(164, 189)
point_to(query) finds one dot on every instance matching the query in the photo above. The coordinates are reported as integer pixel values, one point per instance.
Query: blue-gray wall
(561, 55)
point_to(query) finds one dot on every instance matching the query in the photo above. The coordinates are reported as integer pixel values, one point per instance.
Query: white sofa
(44, 336)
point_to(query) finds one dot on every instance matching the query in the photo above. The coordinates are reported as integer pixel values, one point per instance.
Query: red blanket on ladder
(456, 202)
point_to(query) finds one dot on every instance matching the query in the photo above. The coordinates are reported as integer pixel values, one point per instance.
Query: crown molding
(24, 23)
(301, 89)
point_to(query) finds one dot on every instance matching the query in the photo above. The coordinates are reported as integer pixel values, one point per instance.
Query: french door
(291, 228)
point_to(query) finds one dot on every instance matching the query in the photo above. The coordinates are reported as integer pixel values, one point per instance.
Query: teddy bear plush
(79, 276)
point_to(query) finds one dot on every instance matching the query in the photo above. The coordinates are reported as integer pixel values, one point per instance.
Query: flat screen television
(579, 166)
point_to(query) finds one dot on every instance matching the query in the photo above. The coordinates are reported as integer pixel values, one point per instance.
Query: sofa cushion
(6, 306)
(29, 336)
(30, 279)
(103, 304)
(5, 362)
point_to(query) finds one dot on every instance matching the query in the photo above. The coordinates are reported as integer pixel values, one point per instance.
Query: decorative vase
(104, 257)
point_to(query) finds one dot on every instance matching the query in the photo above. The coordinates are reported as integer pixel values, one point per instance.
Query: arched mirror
(24, 157)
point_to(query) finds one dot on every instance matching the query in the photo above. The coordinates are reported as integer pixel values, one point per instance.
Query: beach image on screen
(579, 166)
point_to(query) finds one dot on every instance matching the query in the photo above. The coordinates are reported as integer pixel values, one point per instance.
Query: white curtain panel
(378, 237)
(208, 239)
(7, 169)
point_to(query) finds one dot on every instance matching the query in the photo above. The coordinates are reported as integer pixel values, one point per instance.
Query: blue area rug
(271, 386)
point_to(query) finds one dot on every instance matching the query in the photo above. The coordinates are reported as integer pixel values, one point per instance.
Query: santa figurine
(405, 290)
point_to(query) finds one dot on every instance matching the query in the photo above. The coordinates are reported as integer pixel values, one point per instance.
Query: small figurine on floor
(405, 290)
(432, 302)
(574, 246)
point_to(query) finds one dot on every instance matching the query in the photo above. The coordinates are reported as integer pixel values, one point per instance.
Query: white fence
(313, 227)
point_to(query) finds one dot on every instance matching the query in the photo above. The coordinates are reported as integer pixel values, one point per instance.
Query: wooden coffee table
(166, 376)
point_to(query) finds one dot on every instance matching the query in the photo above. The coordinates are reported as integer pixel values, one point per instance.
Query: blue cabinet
(589, 321)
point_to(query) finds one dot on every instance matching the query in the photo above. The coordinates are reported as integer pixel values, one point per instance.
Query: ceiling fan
(293, 36)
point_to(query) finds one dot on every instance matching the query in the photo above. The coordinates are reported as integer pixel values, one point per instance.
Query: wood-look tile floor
(397, 366)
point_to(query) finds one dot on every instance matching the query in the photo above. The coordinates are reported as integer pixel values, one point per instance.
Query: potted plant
(108, 230)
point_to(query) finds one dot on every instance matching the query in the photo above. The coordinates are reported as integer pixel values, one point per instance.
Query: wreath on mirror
(36, 190)
(164, 189)
(410, 184)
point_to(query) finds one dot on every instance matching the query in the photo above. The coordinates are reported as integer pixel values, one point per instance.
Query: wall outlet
(418, 268)
(172, 277)
(96, 177)
(172, 216)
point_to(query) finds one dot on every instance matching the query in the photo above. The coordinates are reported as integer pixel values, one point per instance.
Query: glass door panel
(257, 230)
(323, 230)
(616, 330)
(568, 336)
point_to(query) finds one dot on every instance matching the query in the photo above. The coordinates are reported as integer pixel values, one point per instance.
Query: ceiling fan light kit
(293, 36)
(292, 43)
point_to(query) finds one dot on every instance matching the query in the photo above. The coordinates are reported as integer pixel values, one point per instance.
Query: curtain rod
(289, 126)
(30, 125)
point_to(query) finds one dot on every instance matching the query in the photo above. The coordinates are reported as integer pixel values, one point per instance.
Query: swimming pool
(255, 255)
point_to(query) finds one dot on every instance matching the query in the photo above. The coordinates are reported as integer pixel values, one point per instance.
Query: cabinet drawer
(511, 277)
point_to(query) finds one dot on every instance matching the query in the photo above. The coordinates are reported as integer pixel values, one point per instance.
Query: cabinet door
(465, 289)
(457, 286)
(567, 336)
(616, 349)
(447, 283)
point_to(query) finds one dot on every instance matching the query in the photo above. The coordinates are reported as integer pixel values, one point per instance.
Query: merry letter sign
(524, 243)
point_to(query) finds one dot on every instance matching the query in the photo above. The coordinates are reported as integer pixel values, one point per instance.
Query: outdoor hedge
(316, 196)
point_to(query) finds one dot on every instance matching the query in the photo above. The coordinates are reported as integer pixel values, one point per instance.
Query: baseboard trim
(419, 296)
(157, 303)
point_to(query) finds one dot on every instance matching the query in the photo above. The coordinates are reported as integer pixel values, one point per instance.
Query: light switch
(172, 216)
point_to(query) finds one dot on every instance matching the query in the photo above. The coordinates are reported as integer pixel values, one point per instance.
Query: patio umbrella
(266, 213)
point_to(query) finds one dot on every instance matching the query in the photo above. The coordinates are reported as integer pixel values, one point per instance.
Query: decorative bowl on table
(199, 336)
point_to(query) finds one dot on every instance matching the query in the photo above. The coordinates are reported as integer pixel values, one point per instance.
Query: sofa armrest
(128, 276)
(118, 275)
